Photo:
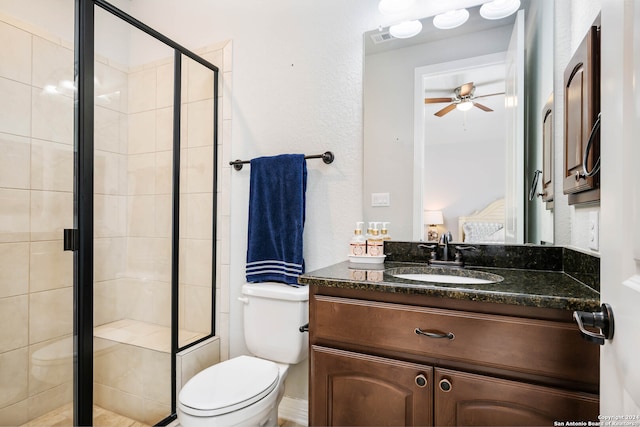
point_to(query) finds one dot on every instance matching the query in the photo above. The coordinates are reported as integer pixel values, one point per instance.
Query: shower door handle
(70, 239)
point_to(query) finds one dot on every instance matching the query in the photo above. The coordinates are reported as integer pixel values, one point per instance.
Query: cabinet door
(547, 153)
(462, 399)
(581, 108)
(352, 389)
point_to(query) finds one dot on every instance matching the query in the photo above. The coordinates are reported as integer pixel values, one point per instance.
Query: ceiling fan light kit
(451, 19)
(498, 9)
(465, 105)
(462, 100)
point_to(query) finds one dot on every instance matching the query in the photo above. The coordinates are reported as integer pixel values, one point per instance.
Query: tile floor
(63, 417)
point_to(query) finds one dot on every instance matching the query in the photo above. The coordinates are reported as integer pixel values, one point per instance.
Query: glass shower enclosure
(108, 159)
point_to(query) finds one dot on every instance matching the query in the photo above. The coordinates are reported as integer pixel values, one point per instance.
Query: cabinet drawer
(535, 347)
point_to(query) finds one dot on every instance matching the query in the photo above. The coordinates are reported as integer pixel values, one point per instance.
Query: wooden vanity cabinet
(581, 109)
(368, 366)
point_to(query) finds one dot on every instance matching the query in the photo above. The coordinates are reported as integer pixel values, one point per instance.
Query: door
(620, 204)
(352, 389)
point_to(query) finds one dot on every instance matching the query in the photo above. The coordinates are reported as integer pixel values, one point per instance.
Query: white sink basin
(444, 278)
(445, 275)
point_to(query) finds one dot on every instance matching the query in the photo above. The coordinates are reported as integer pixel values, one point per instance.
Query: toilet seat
(229, 386)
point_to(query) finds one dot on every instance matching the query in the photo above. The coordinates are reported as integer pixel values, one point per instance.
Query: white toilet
(246, 390)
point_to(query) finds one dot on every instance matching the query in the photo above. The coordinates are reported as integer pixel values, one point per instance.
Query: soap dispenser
(358, 244)
(384, 232)
(374, 242)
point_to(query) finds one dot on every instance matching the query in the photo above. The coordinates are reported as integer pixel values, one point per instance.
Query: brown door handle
(445, 385)
(448, 335)
(421, 381)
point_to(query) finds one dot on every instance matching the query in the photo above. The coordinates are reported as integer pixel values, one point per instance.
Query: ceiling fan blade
(482, 107)
(489, 94)
(466, 89)
(445, 110)
(437, 100)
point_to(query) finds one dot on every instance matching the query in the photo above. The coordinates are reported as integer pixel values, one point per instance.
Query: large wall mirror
(467, 160)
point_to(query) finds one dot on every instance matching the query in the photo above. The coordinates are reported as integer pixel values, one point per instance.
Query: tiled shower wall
(132, 203)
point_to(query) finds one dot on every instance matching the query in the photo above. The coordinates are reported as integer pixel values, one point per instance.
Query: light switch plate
(594, 230)
(380, 199)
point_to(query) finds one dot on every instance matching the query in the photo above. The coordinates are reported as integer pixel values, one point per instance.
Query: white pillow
(479, 232)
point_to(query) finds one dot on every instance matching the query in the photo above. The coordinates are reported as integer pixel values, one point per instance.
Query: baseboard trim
(296, 410)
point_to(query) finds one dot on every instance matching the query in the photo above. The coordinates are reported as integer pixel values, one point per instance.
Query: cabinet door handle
(448, 335)
(445, 385)
(421, 381)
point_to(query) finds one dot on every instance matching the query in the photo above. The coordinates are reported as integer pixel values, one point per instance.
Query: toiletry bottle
(358, 244)
(384, 232)
(374, 243)
(367, 236)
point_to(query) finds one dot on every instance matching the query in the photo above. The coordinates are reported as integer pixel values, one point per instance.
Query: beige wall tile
(149, 258)
(110, 214)
(164, 88)
(15, 44)
(107, 129)
(142, 90)
(49, 400)
(50, 314)
(111, 87)
(14, 369)
(129, 405)
(52, 116)
(200, 170)
(14, 269)
(107, 306)
(50, 266)
(119, 368)
(141, 137)
(108, 171)
(141, 216)
(44, 375)
(200, 123)
(164, 215)
(196, 359)
(15, 108)
(142, 174)
(51, 212)
(164, 172)
(51, 166)
(198, 262)
(200, 82)
(15, 161)
(164, 129)
(198, 316)
(156, 373)
(14, 211)
(199, 216)
(15, 415)
(14, 318)
(52, 64)
(110, 256)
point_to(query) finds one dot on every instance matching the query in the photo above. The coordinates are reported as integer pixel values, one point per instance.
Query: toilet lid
(229, 386)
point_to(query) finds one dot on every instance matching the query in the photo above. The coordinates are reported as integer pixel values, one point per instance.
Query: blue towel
(276, 218)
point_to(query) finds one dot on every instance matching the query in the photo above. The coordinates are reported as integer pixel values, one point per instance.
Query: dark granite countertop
(523, 287)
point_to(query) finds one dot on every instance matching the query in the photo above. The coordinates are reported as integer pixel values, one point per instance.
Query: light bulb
(406, 29)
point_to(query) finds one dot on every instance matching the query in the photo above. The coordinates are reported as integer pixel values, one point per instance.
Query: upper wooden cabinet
(581, 109)
(547, 153)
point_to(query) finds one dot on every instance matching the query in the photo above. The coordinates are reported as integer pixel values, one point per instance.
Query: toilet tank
(273, 314)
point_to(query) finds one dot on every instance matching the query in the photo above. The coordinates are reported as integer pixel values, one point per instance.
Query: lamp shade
(498, 9)
(465, 105)
(433, 217)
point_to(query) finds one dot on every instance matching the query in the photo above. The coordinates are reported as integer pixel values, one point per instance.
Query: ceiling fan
(463, 99)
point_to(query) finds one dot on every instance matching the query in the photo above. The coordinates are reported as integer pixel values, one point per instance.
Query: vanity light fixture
(451, 19)
(406, 29)
(464, 105)
(498, 9)
(433, 218)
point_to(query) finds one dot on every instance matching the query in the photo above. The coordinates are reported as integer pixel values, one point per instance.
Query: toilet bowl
(246, 390)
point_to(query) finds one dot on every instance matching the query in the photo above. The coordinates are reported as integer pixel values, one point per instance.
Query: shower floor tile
(63, 417)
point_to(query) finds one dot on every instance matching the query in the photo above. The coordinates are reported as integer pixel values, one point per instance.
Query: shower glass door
(36, 204)
(133, 211)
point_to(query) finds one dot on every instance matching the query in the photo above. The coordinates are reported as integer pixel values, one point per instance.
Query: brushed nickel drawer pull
(448, 335)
